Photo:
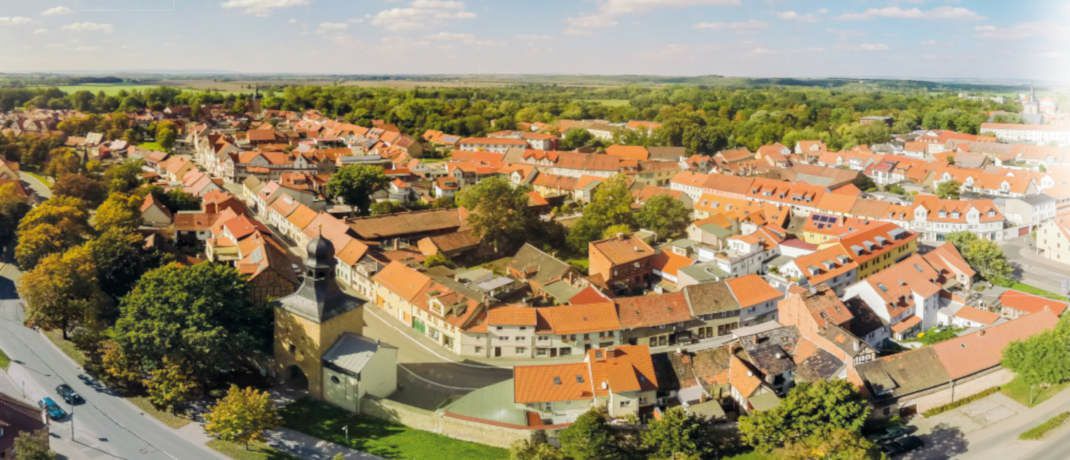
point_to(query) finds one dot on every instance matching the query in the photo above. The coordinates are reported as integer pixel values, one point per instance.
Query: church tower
(309, 321)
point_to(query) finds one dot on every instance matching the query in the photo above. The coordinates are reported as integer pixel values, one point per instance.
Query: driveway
(989, 428)
(1035, 269)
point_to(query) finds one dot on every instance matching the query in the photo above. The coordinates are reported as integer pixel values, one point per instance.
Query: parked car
(902, 445)
(68, 394)
(52, 409)
(892, 432)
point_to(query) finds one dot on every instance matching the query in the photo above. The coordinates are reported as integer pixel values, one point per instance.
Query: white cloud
(421, 14)
(532, 37)
(292, 21)
(262, 7)
(89, 27)
(40, 31)
(1018, 31)
(737, 26)
(895, 12)
(331, 27)
(609, 10)
(870, 47)
(796, 16)
(57, 11)
(14, 20)
(459, 38)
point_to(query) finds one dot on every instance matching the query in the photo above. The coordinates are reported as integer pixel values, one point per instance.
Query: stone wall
(437, 422)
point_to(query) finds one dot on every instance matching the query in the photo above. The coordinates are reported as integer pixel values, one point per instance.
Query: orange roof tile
(972, 353)
(578, 319)
(751, 290)
(1030, 303)
(512, 315)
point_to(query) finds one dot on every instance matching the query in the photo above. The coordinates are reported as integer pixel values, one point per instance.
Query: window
(625, 403)
(479, 349)
(335, 380)
(521, 350)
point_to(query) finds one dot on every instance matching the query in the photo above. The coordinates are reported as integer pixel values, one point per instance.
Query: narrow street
(1035, 269)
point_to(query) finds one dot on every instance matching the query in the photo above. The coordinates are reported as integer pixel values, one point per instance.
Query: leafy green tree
(576, 138)
(63, 291)
(121, 258)
(380, 208)
(536, 448)
(839, 444)
(497, 211)
(63, 160)
(616, 229)
(678, 433)
(123, 177)
(1043, 359)
(610, 205)
(355, 185)
(170, 386)
(590, 437)
(51, 227)
(202, 315)
(119, 210)
(983, 255)
(242, 415)
(29, 446)
(166, 133)
(810, 409)
(13, 205)
(664, 215)
(948, 190)
(81, 186)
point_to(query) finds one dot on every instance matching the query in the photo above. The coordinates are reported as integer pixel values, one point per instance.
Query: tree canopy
(355, 184)
(664, 215)
(948, 189)
(611, 205)
(63, 291)
(590, 437)
(983, 255)
(53, 226)
(810, 409)
(497, 210)
(678, 433)
(242, 415)
(200, 315)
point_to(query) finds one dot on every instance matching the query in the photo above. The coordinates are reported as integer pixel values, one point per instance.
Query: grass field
(1019, 391)
(151, 146)
(112, 89)
(378, 437)
(1039, 431)
(256, 451)
(66, 346)
(937, 334)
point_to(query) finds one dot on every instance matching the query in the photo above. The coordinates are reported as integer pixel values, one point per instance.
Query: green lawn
(169, 419)
(66, 346)
(379, 437)
(256, 451)
(1039, 431)
(580, 263)
(1019, 391)
(151, 146)
(937, 334)
(5, 360)
(1020, 286)
(110, 89)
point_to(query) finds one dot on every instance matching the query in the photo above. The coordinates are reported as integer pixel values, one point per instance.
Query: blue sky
(866, 38)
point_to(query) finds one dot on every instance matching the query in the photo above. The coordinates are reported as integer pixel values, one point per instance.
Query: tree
(123, 177)
(62, 291)
(948, 190)
(201, 315)
(810, 409)
(119, 210)
(53, 226)
(497, 211)
(679, 433)
(81, 186)
(380, 208)
(839, 444)
(665, 216)
(983, 255)
(535, 448)
(590, 437)
(166, 134)
(610, 205)
(117, 369)
(576, 138)
(242, 415)
(63, 160)
(121, 258)
(616, 229)
(29, 446)
(1043, 359)
(13, 205)
(355, 185)
(170, 386)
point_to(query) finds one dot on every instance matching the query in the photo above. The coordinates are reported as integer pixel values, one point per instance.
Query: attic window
(882, 287)
(557, 380)
(579, 378)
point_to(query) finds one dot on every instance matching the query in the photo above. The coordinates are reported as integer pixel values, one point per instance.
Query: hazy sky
(994, 39)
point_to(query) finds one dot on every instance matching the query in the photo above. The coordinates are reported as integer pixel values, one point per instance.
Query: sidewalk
(304, 446)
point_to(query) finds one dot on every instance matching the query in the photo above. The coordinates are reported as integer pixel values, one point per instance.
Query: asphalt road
(1034, 269)
(105, 426)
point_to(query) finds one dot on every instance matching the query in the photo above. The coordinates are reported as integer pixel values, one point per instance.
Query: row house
(620, 379)
(573, 164)
(490, 144)
(521, 331)
(906, 296)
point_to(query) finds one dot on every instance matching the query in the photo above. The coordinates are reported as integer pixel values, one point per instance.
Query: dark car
(54, 411)
(68, 394)
(902, 445)
(892, 432)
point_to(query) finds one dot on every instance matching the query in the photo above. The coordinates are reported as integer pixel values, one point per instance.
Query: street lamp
(346, 429)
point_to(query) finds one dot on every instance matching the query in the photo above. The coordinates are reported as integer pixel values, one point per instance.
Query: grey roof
(319, 298)
(821, 365)
(709, 298)
(494, 403)
(562, 291)
(540, 267)
(666, 153)
(771, 359)
(904, 373)
(704, 272)
(351, 352)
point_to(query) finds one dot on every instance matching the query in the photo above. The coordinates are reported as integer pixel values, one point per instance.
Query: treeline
(702, 119)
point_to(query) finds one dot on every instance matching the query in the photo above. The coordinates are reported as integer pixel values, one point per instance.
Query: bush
(962, 402)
